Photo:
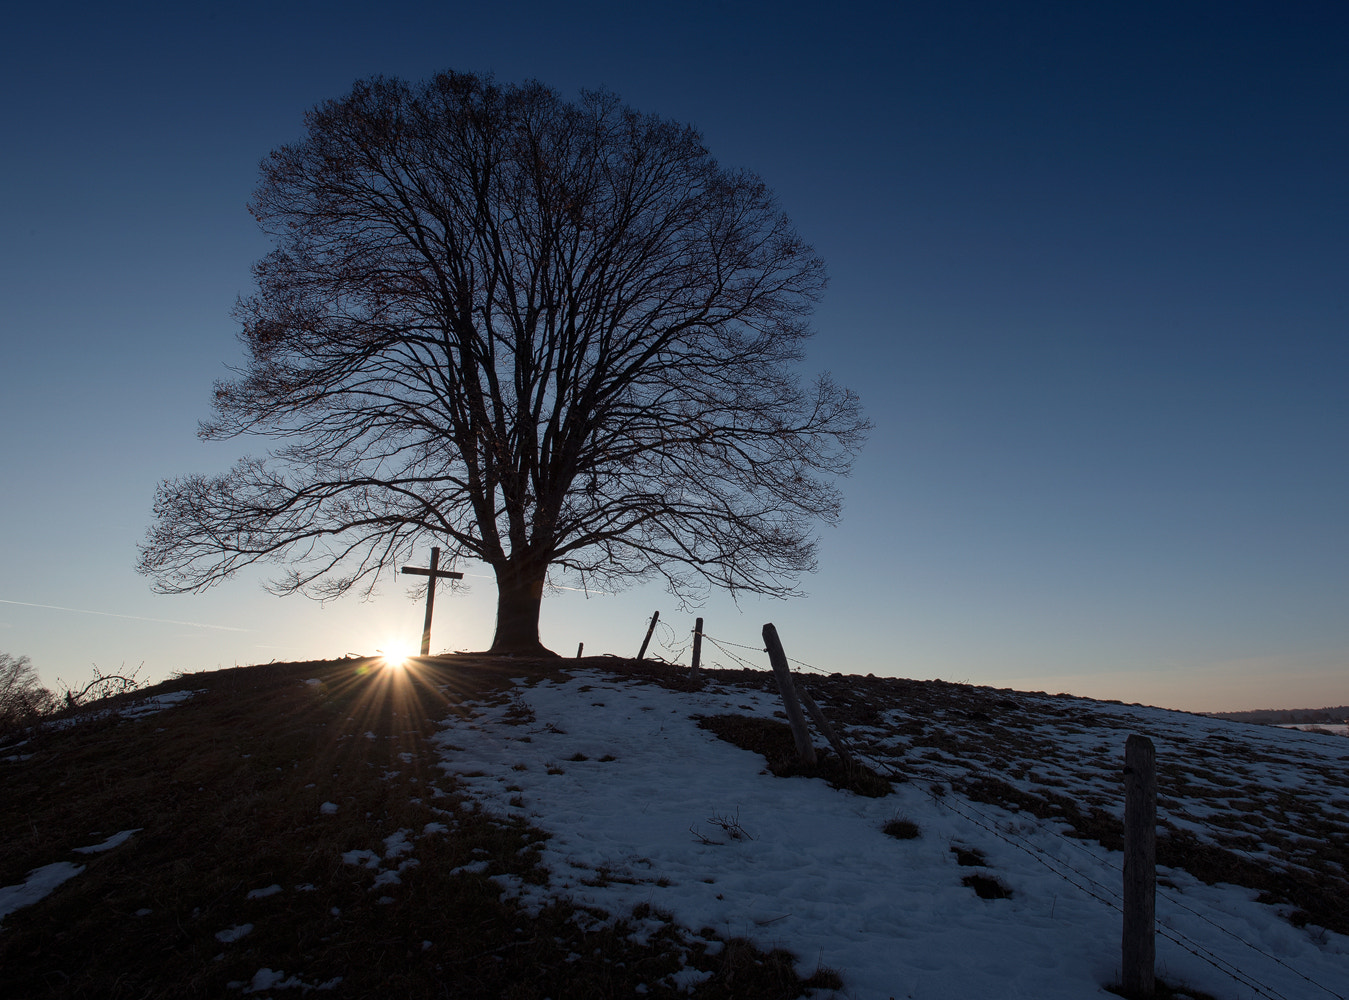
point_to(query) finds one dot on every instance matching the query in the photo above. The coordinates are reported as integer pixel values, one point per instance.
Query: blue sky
(1088, 270)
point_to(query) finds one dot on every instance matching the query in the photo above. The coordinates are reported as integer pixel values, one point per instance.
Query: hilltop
(602, 828)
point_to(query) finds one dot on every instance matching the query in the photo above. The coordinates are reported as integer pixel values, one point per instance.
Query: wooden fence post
(655, 617)
(1140, 868)
(579, 646)
(783, 674)
(697, 643)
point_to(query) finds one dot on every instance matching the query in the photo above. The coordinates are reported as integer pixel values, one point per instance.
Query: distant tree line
(1274, 717)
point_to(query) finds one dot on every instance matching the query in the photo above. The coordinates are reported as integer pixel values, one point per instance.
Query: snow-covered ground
(645, 807)
(648, 811)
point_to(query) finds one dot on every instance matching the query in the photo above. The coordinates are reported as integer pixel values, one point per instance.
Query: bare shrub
(102, 687)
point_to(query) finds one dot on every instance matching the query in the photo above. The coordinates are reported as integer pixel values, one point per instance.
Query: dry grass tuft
(902, 829)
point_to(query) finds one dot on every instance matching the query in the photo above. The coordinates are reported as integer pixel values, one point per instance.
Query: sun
(395, 655)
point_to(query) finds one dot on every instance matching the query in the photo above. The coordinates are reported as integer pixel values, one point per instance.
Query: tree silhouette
(23, 699)
(542, 334)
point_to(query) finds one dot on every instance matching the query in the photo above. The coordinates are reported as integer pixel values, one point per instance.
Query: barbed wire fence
(1085, 881)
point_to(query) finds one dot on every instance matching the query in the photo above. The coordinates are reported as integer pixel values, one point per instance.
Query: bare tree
(23, 699)
(541, 333)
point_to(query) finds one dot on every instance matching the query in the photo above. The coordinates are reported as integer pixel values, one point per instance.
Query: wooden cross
(436, 574)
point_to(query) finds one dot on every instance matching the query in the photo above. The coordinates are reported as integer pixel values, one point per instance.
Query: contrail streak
(134, 618)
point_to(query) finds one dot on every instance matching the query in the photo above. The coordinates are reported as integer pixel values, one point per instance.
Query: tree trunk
(519, 596)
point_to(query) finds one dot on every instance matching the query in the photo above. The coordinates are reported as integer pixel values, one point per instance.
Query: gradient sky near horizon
(1090, 270)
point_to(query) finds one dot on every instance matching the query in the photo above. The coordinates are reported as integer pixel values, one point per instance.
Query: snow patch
(39, 884)
(396, 844)
(116, 840)
(156, 703)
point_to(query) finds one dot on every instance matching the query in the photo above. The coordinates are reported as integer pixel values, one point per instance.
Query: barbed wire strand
(1176, 936)
(737, 645)
(934, 771)
(1106, 895)
(1170, 895)
(760, 649)
(744, 664)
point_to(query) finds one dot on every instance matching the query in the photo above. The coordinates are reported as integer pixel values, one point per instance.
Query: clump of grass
(902, 829)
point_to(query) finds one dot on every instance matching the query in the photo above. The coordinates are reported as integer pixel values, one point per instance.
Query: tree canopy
(543, 334)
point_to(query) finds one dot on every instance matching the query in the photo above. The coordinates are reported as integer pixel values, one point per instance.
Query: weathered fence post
(655, 617)
(1140, 868)
(783, 674)
(579, 646)
(697, 643)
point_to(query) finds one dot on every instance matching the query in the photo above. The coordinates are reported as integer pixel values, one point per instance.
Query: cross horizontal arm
(438, 573)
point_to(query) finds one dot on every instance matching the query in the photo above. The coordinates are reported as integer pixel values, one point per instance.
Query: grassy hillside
(226, 793)
(256, 801)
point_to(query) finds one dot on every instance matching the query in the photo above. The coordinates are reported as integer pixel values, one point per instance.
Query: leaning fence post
(697, 643)
(579, 646)
(1140, 868)
(778, 658)
(655, 617)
